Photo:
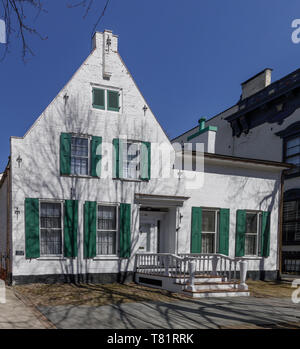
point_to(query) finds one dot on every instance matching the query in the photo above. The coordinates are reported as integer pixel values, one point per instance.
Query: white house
(95, 182)
(265, 124)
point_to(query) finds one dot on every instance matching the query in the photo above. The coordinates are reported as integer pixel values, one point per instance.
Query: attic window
(106, 99)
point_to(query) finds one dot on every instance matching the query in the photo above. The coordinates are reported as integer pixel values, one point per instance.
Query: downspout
(280, 223)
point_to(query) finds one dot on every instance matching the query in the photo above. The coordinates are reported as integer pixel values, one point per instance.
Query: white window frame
(89, 138)
(216, 232)
(61, 202)
(115, 230)
(125, 161)
(258, 232)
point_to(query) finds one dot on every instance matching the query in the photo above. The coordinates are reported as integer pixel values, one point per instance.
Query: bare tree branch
(14, 13)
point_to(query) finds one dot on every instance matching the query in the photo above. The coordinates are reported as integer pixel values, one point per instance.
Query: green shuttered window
(131, 160)
(98, 98)
(125, 230)
(32, 230)
(210, 230)
(106, 99)
(80, 155)
(91, 217)
(252, 233)
(43, 229)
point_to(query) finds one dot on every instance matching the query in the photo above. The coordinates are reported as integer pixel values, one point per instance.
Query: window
(106, 241)
(291, 222)
(292, 153)
(209, 230)
(131, 160)
(253, 228)
(106, 99)
(80, 156)
(50, 229)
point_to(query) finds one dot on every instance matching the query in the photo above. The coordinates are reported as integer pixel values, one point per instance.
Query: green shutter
(32, 228)
(240, 233)
(224, 231)
(96, 156)
(70, 228)
(117, 158)
(145, 160)
(125, 230)
(196, 231)
(65, 153)
(98, 98)
(113, 100)
(265, 234)
(90, 227)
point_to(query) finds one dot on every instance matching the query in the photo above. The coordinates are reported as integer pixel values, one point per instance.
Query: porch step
(225, 285)
(216, 293)
(202, 280)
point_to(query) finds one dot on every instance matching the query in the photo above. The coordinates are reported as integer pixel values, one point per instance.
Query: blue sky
(187, 57)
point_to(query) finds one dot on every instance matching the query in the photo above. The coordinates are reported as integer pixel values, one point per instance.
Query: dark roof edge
(248, 160)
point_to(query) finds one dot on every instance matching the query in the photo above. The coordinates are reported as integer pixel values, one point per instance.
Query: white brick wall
(38, 176)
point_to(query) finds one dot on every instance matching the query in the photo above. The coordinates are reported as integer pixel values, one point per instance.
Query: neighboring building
(90, 185)
(265, 124)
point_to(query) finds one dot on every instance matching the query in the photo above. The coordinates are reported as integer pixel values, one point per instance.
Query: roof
(270, 163)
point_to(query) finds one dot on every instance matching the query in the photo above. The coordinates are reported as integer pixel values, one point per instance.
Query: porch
(194, 275)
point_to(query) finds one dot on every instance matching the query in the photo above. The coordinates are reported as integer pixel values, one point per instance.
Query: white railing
(188, 266)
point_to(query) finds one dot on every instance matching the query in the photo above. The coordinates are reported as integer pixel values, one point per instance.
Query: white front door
(148, 238)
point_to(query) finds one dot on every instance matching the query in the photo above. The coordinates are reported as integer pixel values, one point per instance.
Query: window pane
(208, 221)
(295, 160)
(107, 218)
(251, 223)
(295, 142)
(106, 243)
(79, 166)
(51, 242)
(250, 245)
(208, 243)
(131, 160)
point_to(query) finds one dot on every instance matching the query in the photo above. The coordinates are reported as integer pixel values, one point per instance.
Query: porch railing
(188, 266)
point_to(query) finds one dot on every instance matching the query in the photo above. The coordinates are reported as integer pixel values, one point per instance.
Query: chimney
(108, 44)
(257, 83)
(206, 135)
